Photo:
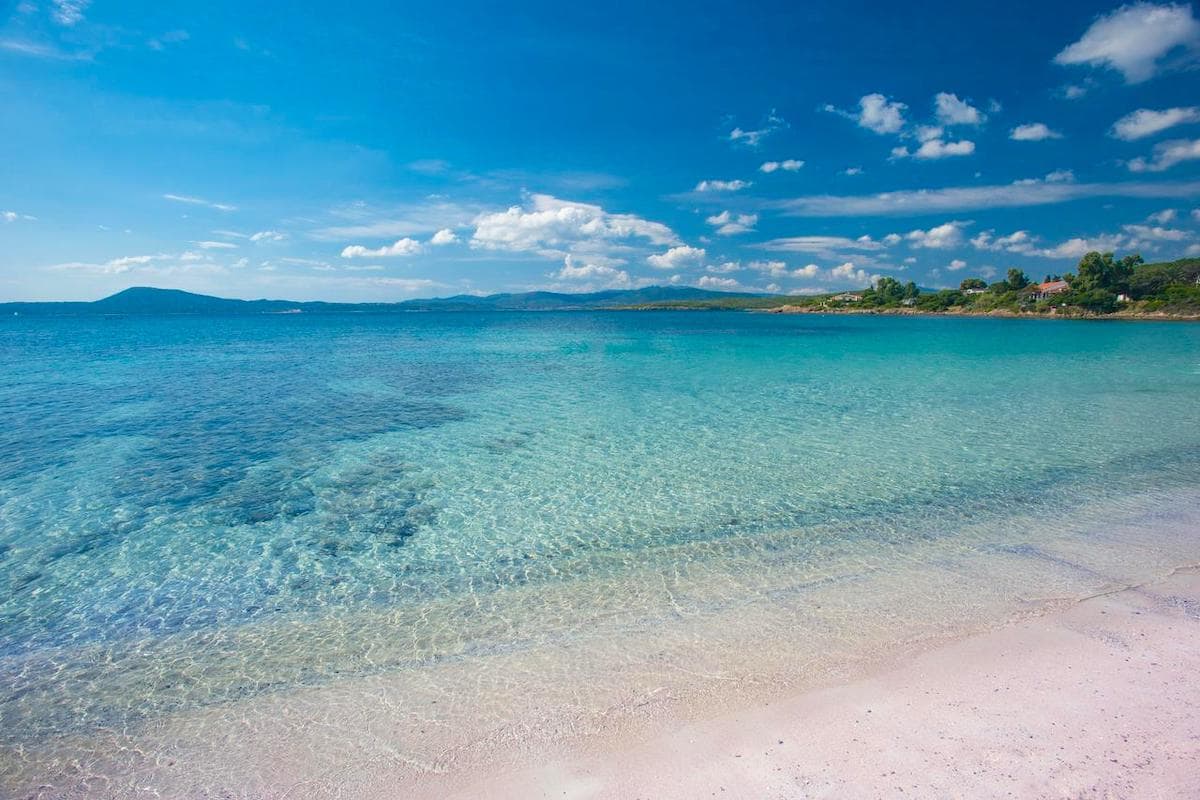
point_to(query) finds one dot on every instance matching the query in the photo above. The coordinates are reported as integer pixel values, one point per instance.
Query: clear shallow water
(200, 513)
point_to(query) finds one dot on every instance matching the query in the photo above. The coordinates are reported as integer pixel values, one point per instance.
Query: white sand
(1099, 701)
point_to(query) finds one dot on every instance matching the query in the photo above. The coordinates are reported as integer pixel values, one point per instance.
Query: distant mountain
(143, 300)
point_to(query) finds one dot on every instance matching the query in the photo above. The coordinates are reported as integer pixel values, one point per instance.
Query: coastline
(1154, 316)
(1095, 700)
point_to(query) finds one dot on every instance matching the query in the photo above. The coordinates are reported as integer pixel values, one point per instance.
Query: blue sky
(359, 151)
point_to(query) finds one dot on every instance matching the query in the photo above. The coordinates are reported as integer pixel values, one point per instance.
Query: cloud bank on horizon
(365, 152)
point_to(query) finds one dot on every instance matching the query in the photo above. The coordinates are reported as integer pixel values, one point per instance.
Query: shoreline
(1154, 316)
(1094, 700)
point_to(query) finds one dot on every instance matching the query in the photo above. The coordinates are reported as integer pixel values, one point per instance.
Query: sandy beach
(1096, 701)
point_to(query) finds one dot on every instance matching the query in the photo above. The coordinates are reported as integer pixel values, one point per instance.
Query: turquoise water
(201, 513)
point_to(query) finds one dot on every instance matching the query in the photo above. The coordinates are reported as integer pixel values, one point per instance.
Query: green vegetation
(1102, 285)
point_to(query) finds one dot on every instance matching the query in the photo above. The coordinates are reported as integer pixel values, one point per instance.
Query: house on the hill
(847, 297)
(1049, 289)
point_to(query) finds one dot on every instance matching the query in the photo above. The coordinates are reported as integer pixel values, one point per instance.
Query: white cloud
(780, 269)
(553, 228)
(607, 276)
(713, 282)
(1079, 247)
(722, 186)
(935, 148)
(852, 171)
(13, 216)
(199, 201)
(940, 237)
(677, 257)
(1033, 132)
(754, 138)
(965, 198)
(848, 272)
(723, 269)
(953, 111)
(875, 113)
(956, 265)
(1157, 233)
(215, 245)
(1196, 214)
(443, 237)
(363, 221)
(1167, 155)
(821, 245)
(1060, 176)
(1163, 217)
(787, 165)
(729, 224)
(268, 236)
(1147, 122)
(69, 12)
(807, 271)
(1133, 39)
(1015, 242)
(401, 247)
(1074, 91)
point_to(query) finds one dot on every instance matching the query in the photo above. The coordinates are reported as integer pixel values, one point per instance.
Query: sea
(244, 553)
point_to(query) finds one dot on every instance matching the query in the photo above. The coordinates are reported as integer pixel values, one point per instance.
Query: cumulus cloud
(677, 257)
(1147, 122)
(729, 224)
(787, 165)
(1163, 217)
(852, 171)
(1078, 247)
(1033, 132)
(956, 265)
(553, 228)
(875, 113)
(268, 236)
(401, 247)
(953, 111)
(940, 237)
(199, 201)
(1167, 155)
(1134, 39)
(443, 237)
(849, 273)
(722, 186)
(713, 282)
(608, 276)
(934, 148)
(1015, 242)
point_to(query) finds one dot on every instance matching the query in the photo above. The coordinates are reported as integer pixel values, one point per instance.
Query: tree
(887, 290)
(911, 292)
(972, 283)
(1016, 279)
(1102, 271)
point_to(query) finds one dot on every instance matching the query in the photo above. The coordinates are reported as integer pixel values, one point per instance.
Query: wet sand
(1100, 700)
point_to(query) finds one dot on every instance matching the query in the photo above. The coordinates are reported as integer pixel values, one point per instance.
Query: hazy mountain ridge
(150, 301)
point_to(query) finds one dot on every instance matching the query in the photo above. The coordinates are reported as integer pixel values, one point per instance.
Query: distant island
(1102, 286)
